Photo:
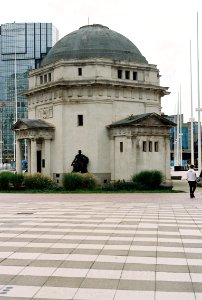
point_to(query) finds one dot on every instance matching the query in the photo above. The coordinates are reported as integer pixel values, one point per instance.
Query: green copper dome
(94, 41)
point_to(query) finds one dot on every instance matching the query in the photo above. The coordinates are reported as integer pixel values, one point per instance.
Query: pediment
(152, 121)
(149, 119)
(23, 124)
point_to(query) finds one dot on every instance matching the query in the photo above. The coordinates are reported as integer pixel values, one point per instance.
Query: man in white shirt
(191, 177)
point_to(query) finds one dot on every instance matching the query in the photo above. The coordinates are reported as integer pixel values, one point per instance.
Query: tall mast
(192, 118)
(180, 128)
(199, 117)
(177, 139)
(16, 108)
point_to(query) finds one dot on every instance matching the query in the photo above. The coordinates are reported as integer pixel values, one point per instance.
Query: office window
(144, 146)
(134, 75)
(121, 146)
(80, 120)
(120, 74)
(156, 147)
(127, 74)
(150, 146)
(80, 71)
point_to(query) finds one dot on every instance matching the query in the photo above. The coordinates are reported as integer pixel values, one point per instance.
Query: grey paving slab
(96, 283)
(77, 264)
(24, 280)
(168, 286)
(72, 282)
(138, 285)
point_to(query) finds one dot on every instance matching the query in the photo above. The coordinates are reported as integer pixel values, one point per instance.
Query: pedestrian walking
(191, 177)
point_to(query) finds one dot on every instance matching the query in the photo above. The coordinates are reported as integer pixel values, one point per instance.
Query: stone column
(18, 157)
(33, 157)
(47, 157)
(112, 157)
(167, 158)
(130, 158)
(29, 155)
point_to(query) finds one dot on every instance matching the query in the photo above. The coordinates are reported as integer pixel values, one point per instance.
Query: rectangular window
(80, 120)
(80, 71)
(43, 163)
(156, 147)
(121, 146)
(144, 146)
(120, 74)
(134, 75)
(49, 77)
(127, 74)
(45, 78)
(41, 79)
(150, 146)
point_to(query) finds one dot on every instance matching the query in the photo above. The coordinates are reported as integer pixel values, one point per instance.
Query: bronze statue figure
(80, 163)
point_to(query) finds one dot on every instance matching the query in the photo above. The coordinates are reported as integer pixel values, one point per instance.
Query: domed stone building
(97, 93)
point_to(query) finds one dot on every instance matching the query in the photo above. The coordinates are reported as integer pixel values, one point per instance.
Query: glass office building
(22, 48)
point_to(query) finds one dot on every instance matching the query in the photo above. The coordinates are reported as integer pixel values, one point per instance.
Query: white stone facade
(80, 99)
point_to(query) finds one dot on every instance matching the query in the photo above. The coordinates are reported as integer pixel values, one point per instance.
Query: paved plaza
(101, 246)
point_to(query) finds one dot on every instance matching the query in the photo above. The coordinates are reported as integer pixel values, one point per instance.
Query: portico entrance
(38, 135)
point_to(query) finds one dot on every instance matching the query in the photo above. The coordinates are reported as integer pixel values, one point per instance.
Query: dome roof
(94, 41)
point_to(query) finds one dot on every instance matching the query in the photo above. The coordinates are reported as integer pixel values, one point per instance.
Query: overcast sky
(160, 29)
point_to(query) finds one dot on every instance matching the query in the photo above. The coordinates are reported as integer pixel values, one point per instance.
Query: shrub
(75, 181)
(72, 181)
(88, 181)
(119, 185)
(148, 180)
(38, 181)
(5, 180)
(16, 180)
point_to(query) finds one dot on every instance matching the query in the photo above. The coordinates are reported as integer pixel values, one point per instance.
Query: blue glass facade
(186, 140)
(185, 137)
(22, 48)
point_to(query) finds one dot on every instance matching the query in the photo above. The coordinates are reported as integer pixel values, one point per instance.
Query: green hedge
(16, 180)
(38, 181)
(148, 180)
(119, 186)
(5, 180)
(75, 181)
(10, 180)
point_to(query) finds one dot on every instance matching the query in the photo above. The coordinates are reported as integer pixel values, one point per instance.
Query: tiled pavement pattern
(101, 247)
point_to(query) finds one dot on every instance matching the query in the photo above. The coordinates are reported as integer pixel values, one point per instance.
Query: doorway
(39, 161)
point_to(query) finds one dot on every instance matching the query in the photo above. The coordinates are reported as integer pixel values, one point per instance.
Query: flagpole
(199, 117)
(177, 139)
(180, 127)
(16, 100)
(192, 118)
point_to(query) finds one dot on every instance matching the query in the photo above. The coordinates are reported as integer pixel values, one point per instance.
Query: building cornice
(97, 82)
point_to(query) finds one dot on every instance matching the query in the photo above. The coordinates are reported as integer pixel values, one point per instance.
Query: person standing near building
(191, 177)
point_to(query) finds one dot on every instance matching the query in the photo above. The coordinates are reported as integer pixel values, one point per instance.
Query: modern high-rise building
(184, 141)
(22, 48)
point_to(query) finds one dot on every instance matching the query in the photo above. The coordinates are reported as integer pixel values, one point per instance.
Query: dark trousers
(192, 186)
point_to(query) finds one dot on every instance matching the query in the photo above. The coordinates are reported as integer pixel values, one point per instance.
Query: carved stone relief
(44, 113)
